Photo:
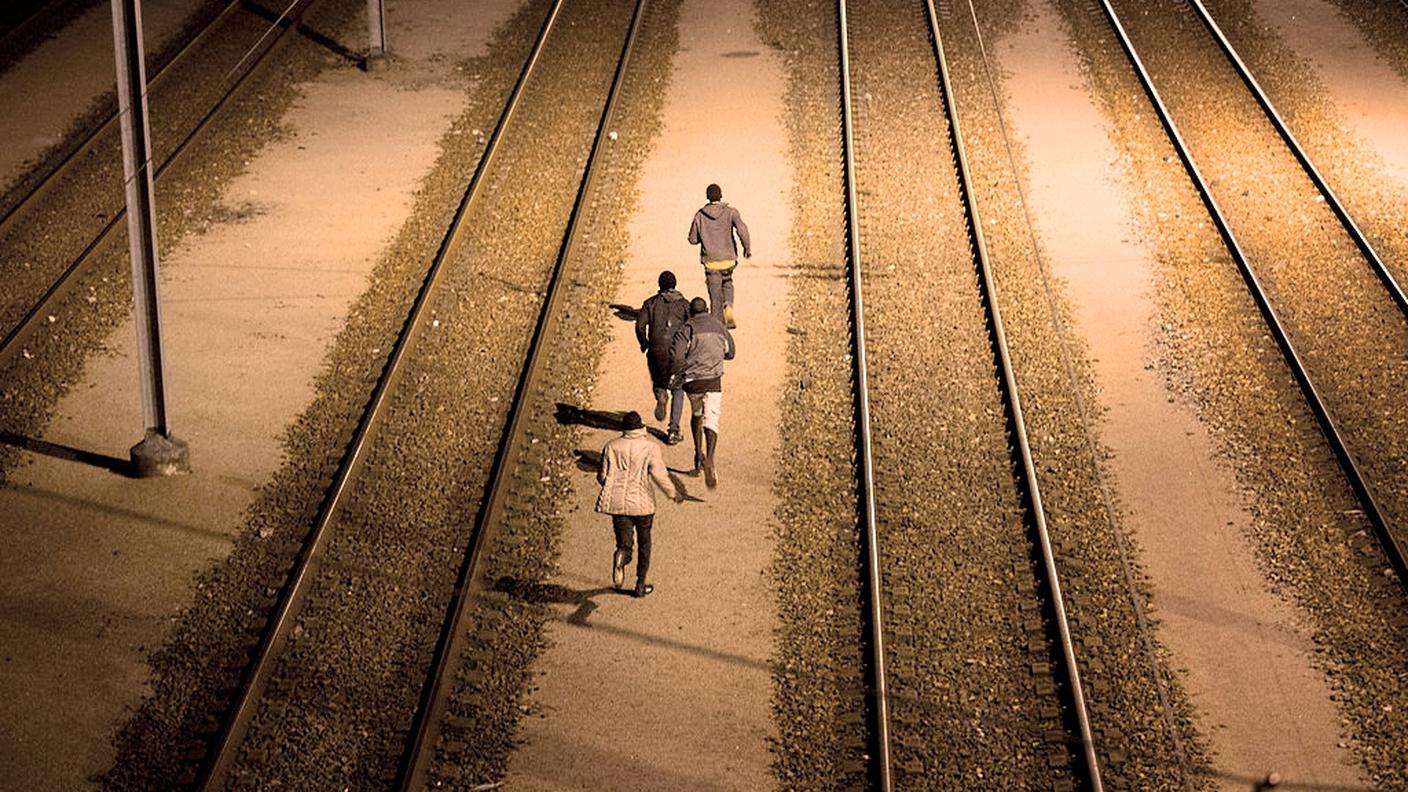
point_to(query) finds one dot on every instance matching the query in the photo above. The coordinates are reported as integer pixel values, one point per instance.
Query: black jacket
(659, 318)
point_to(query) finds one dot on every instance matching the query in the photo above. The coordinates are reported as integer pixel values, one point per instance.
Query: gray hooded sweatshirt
(699, 351)
(713, 229)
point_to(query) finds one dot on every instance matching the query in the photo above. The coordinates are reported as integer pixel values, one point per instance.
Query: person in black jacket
(656, 322)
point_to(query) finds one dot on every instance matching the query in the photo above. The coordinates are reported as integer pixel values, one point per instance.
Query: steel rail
(1014, 401)
(10, 345)
(90, 137)
(1391, 546)
(1362, 242)
(295, 591)
(880, 704)
(417, 761)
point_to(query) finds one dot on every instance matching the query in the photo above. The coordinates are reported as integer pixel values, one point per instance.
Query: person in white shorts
(697, 358)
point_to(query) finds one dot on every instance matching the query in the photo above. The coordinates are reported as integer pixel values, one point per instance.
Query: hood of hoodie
(714, 211)
(671, 295)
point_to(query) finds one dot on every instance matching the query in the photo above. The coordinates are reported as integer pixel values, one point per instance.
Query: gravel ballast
(819, 681)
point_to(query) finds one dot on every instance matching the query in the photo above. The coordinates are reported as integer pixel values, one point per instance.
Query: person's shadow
(552, 594)
(568, 414)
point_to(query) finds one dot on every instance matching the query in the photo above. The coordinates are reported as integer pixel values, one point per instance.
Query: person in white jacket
(631, 466)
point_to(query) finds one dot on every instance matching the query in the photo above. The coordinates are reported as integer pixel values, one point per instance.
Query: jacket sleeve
(679, 348)
(742, 234)
(643, 326)
(728, 355)
(694, 230)
(660, 472)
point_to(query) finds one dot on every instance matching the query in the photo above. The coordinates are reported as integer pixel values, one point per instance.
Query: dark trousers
(720, 286)
(622, 524)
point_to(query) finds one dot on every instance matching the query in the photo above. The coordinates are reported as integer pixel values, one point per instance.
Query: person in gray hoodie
(712, 230)
(697, 361)
(656, 322)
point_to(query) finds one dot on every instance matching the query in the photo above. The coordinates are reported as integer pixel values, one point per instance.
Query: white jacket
(628, 463)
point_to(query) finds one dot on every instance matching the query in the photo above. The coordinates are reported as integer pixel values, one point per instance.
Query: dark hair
(667, 280)
(631, 420)
(713, 193)
(698, 305)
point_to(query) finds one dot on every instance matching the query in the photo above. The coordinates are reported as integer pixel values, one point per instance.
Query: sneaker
(662, 400)
(619, 559)
(674, 438)
(710, 480)
(643, 590)
(728, 317)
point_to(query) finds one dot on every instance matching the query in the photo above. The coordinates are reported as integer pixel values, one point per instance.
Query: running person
(697, 360)
(713, 231)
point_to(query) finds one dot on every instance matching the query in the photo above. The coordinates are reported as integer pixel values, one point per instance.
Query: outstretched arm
(661, 474)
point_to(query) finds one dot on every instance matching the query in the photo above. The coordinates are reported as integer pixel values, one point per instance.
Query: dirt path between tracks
(674, 691)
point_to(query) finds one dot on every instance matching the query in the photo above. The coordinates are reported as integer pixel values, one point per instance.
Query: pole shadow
(122, 467)
(307, 31)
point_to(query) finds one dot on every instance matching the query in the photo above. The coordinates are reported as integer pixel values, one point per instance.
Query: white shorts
(708, 404)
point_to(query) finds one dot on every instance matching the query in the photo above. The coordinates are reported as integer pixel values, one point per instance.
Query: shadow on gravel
(121, 467)
(552, 594)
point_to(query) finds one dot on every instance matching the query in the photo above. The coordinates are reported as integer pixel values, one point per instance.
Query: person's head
(667, 280)
(631, 420)
(713, 193)
(698, 306)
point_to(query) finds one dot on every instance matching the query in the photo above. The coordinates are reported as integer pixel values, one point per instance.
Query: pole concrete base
(375, 62)
(160, 455)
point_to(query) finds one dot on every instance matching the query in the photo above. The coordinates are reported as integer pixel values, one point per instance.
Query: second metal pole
(158, 454)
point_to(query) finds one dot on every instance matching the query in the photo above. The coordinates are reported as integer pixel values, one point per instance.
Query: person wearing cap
(697, 361)
(656, 322)
(631, 466)
(713, 231)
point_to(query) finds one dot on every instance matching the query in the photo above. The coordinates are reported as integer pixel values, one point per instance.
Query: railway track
(1370, 499)
(424, 750)
(1080, 767)
(301, 593)
(34, 193)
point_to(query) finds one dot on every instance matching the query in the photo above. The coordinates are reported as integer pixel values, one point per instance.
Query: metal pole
(376, 35)
(158, 454)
